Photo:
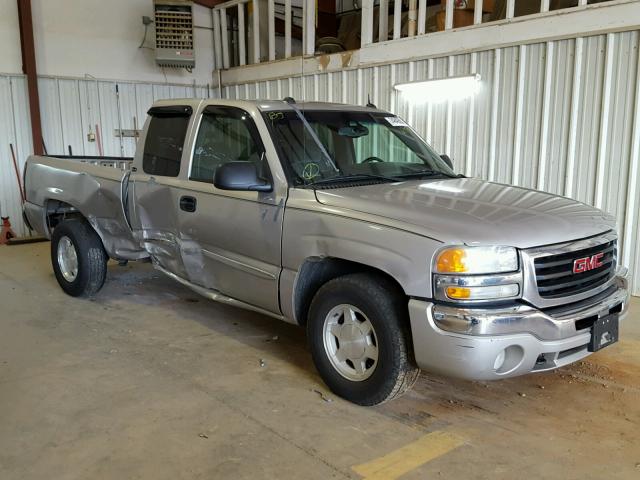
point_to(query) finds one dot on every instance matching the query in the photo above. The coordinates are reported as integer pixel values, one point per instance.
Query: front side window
(226, 134)
(165, 140)
(341, 145)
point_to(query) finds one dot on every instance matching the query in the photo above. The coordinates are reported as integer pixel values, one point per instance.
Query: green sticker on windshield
(273, 116)
(310, 171)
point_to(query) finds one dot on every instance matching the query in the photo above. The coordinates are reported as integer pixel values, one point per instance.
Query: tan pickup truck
(342, 220)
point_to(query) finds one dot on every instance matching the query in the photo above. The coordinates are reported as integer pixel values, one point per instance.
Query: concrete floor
(148, 380)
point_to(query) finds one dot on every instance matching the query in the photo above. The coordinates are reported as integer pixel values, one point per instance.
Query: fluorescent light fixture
(440, 90)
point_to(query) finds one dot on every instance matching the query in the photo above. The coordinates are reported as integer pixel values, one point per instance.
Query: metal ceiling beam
(209, 3)
(27, 47)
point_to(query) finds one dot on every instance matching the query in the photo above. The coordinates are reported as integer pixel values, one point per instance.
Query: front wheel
(359, 339)
(78, 258)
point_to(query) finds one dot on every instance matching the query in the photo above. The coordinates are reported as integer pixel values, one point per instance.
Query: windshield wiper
(353, 178)
(425, 173)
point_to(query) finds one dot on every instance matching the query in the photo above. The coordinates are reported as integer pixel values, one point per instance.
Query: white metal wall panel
(181, 92)
(554, 151)
(481, 140)
(504, 131)
(615, 167)
(109, 120)
(8, 190)
(161, 91)
(456, 141)
(561, 116)
(438, 114)
(144, 98)
(14, 116)
(70, 116)
(50, 115)
(262, 90)
(22, 137)
(589, 100)
(530, 99)
(127, 111)
(90, 113)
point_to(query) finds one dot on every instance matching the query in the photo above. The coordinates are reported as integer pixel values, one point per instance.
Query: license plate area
(604, 332)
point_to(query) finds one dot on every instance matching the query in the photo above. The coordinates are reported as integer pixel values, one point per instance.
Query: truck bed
(92, 186)
(121, 163)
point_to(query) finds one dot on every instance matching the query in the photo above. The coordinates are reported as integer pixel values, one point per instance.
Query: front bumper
(489, 344)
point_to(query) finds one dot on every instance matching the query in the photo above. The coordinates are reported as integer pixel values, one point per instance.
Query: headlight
(477, 260)
(477, 274)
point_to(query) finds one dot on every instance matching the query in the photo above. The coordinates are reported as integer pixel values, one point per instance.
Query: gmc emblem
(581, 265)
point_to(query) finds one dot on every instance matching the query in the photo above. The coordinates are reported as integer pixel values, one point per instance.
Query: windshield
(327, 146)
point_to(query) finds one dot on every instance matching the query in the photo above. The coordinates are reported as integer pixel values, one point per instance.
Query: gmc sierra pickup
(343, 220)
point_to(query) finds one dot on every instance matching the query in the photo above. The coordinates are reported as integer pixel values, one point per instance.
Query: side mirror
(447, 160)
(240, 176)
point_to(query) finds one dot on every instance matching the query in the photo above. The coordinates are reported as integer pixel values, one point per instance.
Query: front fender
(403, 255)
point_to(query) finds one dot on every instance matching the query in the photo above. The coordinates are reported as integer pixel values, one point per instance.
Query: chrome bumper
(471, 343)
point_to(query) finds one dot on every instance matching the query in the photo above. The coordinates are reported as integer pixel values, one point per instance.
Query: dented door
(156, 222)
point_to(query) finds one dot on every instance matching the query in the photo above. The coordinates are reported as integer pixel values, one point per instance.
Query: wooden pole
(29, 69)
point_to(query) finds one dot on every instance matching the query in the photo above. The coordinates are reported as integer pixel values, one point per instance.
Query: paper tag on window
(396, 122)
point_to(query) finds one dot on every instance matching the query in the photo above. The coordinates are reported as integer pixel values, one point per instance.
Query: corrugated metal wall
(560, 116)
(69, 108)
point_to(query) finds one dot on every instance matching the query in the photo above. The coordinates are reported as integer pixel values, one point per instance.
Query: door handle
(188, 204)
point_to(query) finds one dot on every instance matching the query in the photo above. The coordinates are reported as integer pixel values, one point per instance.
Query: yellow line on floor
(409, 457)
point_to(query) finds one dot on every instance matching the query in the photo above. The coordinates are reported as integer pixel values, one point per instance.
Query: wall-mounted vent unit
(174, 34)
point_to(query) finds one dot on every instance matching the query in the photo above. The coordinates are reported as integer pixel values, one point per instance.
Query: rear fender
(98, 201)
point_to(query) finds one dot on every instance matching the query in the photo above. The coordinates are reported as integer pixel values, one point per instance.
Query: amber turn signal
(458, 293)
(452, 260)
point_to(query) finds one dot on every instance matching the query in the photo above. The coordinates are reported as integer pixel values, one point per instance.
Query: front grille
(555, 277)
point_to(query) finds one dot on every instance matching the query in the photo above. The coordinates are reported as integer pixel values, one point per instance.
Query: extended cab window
(165, 140)
(226, 134)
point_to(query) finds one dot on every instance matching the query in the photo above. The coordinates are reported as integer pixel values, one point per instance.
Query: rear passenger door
(237, 233)
(155, 208)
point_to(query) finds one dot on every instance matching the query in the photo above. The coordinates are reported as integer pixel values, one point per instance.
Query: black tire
(386, 308)
(91, 258)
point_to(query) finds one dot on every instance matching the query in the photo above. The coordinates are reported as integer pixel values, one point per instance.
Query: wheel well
(317, 271)
(56, 211)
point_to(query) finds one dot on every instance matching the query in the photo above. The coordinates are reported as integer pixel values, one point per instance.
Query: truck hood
(473, 212)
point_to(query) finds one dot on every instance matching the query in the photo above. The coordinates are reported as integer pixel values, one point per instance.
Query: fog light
(499, 362)
(508, 359)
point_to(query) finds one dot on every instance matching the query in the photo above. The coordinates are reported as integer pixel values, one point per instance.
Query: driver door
(236, 234)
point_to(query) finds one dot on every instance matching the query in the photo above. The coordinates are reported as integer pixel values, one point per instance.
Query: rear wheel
(78, 258)
(359, 339)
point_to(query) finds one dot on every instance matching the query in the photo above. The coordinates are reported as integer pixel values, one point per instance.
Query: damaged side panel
(93, 190)
(156, 224)
(233, 240)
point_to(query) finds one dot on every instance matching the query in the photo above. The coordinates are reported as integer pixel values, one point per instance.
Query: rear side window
(165, 140)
